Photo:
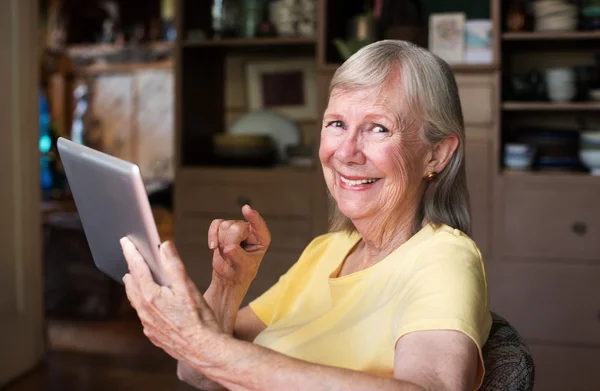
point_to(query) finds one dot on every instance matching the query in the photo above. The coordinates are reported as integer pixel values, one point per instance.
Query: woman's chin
(353, 211)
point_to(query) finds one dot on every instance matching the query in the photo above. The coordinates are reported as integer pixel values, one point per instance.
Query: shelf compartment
(550, 106)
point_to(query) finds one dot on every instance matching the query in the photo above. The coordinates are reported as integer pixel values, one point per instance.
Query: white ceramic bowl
(591, 159)
(517, 149)
(591, 137)
(560, 75)
(518, 162)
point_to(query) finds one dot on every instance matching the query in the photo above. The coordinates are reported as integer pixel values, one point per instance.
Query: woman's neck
(381, 236)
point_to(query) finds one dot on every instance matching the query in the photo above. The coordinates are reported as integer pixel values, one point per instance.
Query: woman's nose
(349, 150)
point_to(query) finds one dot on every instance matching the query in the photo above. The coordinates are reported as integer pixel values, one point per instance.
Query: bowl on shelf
(589, 150)
(590, 139)
(561, 84)
(591, 159)
(555, 15)
(518, 156)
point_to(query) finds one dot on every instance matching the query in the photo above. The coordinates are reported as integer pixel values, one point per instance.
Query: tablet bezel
(94, 178)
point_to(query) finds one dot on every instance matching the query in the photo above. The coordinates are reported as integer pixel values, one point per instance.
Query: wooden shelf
(328, 67)
(474, 68)
(551, 36)
(550, 106)
(227, 42)
(562, 177)
(458, 68)
(125, 67)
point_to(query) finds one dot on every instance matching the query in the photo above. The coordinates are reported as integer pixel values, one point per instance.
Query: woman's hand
(175, 318)
(239, 247)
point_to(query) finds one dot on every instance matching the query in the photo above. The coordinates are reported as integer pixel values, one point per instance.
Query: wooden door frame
(21, 319)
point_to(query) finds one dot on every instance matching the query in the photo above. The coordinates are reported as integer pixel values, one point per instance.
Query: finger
(139, 270)
(223, 227)
(174, 266)
(132, 292)
(137, 265)
(237, 233)
(213, 233)
(258, 224)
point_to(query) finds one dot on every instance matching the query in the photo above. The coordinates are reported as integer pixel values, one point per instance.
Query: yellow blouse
(434, 281)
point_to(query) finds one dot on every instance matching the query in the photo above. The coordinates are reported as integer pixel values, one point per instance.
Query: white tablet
(112, 203)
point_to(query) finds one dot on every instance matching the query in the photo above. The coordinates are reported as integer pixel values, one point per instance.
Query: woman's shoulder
(443, 233)
(448, 243)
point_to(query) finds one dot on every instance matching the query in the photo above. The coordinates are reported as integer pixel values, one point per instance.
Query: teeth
(358, 182)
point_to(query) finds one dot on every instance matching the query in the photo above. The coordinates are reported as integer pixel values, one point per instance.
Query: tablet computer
(112, 203)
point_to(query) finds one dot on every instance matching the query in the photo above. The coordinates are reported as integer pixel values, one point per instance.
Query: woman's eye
(380, 129)
(336, 124)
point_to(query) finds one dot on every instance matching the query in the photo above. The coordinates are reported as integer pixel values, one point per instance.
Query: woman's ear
(441, 154)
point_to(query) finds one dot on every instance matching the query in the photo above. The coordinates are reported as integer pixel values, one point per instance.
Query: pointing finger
(257, 223)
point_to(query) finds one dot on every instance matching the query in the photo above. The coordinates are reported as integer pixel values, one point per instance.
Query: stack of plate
(555, 15)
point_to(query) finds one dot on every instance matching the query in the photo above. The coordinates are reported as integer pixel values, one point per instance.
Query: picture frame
(286, 86)
(447, 36)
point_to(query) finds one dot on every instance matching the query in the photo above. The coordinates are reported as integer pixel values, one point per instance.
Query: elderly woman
(393, 298)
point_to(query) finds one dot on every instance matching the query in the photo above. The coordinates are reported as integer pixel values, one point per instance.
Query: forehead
(386, 98)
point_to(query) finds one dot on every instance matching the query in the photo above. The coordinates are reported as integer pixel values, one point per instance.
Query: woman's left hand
(175, 318)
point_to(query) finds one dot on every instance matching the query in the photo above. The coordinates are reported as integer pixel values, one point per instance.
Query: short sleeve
(446, 290)
(266, 306)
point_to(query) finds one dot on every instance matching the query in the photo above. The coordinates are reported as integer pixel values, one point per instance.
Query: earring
(430, 175)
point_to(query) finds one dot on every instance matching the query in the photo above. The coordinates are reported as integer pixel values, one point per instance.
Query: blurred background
(220, 104)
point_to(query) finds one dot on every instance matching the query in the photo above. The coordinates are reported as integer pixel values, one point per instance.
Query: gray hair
(430, 94)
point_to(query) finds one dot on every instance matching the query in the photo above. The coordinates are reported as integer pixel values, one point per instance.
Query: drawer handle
(579, 228)
(242, 200)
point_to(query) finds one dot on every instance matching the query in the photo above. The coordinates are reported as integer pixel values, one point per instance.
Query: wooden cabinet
(546, 264)
(477, 94)
(479, 182)
(560, 367)
(545, 220)
(477, 97)
(556, 308)
(280, 195)
(550, 303)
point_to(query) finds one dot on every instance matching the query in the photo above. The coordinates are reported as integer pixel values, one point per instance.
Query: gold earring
(430, 175)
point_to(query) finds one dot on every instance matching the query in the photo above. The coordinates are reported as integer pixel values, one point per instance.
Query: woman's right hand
(238, 247)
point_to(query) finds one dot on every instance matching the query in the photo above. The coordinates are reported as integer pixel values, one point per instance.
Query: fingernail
(211, 245)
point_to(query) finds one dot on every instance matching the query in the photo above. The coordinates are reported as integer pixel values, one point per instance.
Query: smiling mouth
(357, 182)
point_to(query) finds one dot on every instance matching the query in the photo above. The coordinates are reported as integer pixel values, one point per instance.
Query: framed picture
(285, 86)
(447, 36)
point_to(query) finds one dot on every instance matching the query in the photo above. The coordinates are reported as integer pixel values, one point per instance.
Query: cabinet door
(478, 155)
(198, 263)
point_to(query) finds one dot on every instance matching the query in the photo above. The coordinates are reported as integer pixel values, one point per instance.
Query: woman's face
(373, 158)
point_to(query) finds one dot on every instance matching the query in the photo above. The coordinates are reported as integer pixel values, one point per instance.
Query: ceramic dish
(281, 129)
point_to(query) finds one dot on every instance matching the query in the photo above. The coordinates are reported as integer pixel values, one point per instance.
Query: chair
(508, 362)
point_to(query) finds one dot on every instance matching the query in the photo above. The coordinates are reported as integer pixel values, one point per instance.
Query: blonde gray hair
(430, 94)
